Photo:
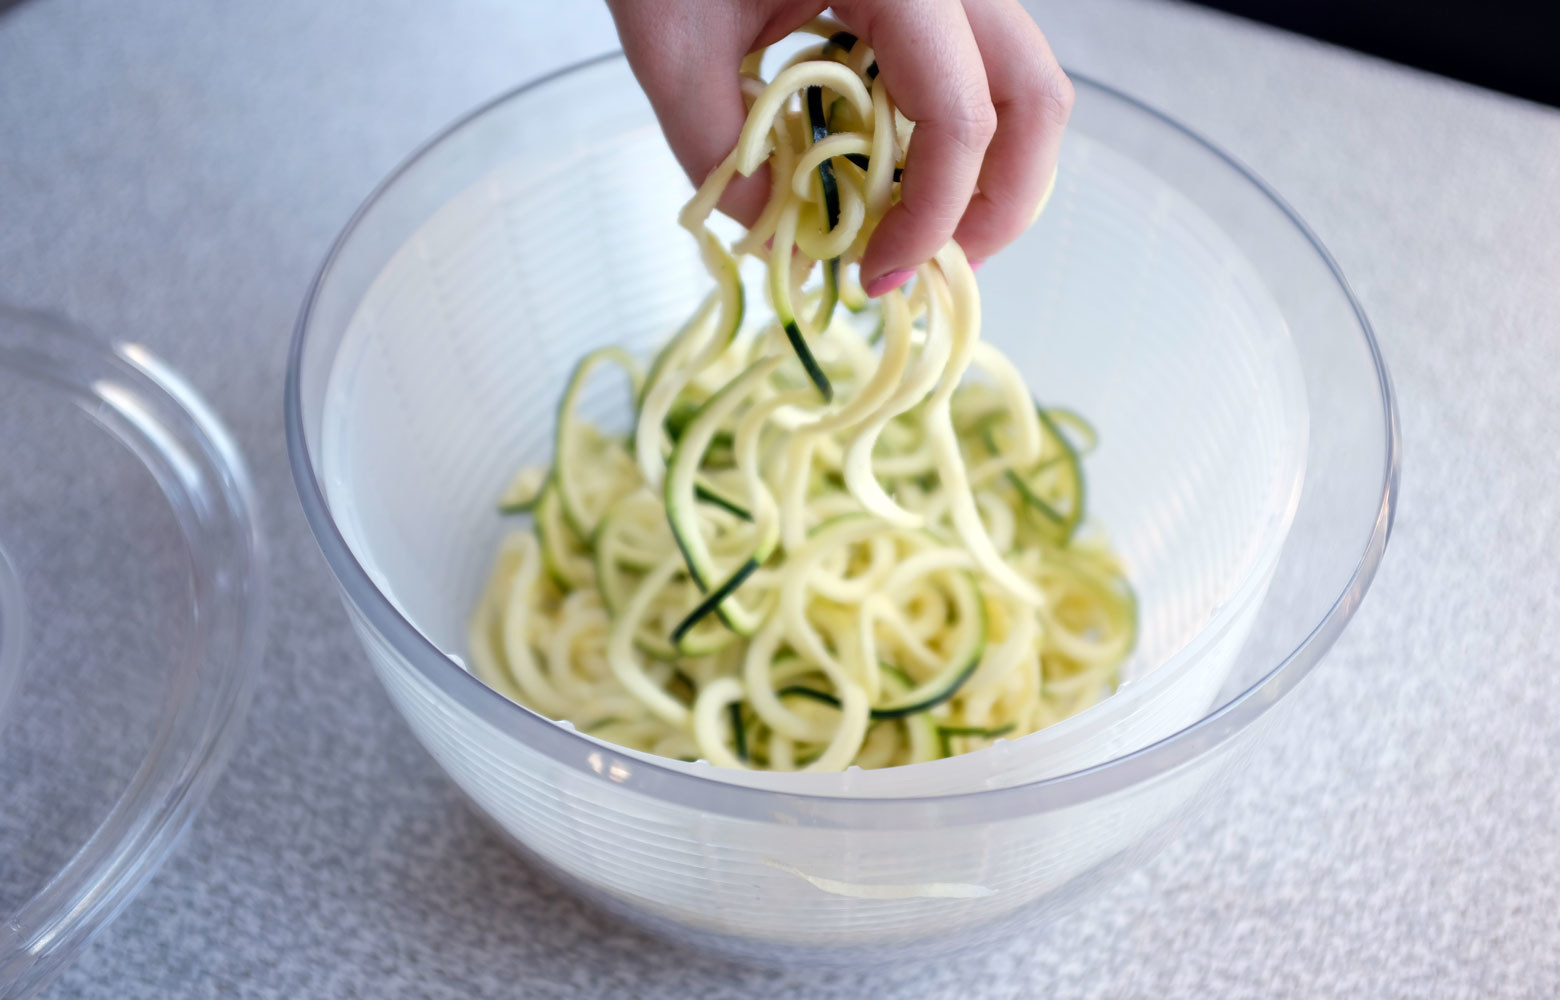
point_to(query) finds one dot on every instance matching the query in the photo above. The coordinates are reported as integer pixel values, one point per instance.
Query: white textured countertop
(175, 171)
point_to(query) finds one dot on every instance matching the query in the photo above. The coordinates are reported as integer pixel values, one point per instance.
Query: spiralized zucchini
(846, 537)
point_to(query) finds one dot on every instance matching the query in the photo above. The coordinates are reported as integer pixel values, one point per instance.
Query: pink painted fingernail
(975, 264)
(887, 283)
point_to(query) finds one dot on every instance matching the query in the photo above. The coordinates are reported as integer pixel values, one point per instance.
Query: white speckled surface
(174, 172)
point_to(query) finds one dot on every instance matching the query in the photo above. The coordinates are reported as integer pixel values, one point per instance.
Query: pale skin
(977, 77)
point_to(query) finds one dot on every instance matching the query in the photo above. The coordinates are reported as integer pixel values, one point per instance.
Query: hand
(977, 77)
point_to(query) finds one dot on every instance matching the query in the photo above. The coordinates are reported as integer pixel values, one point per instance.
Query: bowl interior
(1126, 302)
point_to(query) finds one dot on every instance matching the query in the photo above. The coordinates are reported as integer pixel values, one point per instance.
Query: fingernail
(887, 283)
(975, 264)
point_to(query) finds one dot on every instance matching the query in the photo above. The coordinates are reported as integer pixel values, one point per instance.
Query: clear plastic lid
(131, 615)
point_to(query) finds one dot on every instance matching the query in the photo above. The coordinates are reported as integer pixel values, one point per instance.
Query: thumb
(687, 57)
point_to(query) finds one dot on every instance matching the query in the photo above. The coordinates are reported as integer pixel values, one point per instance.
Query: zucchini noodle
(847, 536)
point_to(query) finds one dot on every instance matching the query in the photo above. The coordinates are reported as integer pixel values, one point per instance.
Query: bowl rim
(714, 794)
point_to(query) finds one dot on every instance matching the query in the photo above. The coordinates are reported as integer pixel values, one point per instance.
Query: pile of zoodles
(846, 537)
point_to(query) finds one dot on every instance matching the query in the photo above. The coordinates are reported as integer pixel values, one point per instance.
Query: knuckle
(1046, 95)
(973, 124)
(967, 117)
(1057, 95)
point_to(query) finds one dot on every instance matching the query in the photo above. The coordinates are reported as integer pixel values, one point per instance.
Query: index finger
(1033, 98)
(687, 60)
(932, 68)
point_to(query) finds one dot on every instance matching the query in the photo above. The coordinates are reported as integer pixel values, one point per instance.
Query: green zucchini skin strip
(1061, 415)
(831, 206)
(946, 733)
(681, 521)
(676, 422)
(863, 161)
(678, 416)
(946, 694)
(738, 731)
(524, 507)
(1070, 521)
(550, 524)
(804, 354)
(811, 694)
(826, 181)
(981, 731)
(714, 598)
(528, 504)
(893, 711)
(831, 198)
(650, 646)
(842, 40)
(1066, 524)
(726, 504)
(831, 292)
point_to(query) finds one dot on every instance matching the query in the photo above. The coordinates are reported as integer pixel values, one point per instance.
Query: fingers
(687, 57)
(978, 79)
(1032, 98)
(931, 64)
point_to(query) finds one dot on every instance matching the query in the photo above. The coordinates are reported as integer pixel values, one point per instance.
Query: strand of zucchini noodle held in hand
(817, 548)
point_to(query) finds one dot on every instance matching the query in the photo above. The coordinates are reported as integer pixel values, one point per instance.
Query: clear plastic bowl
(1166, 293)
